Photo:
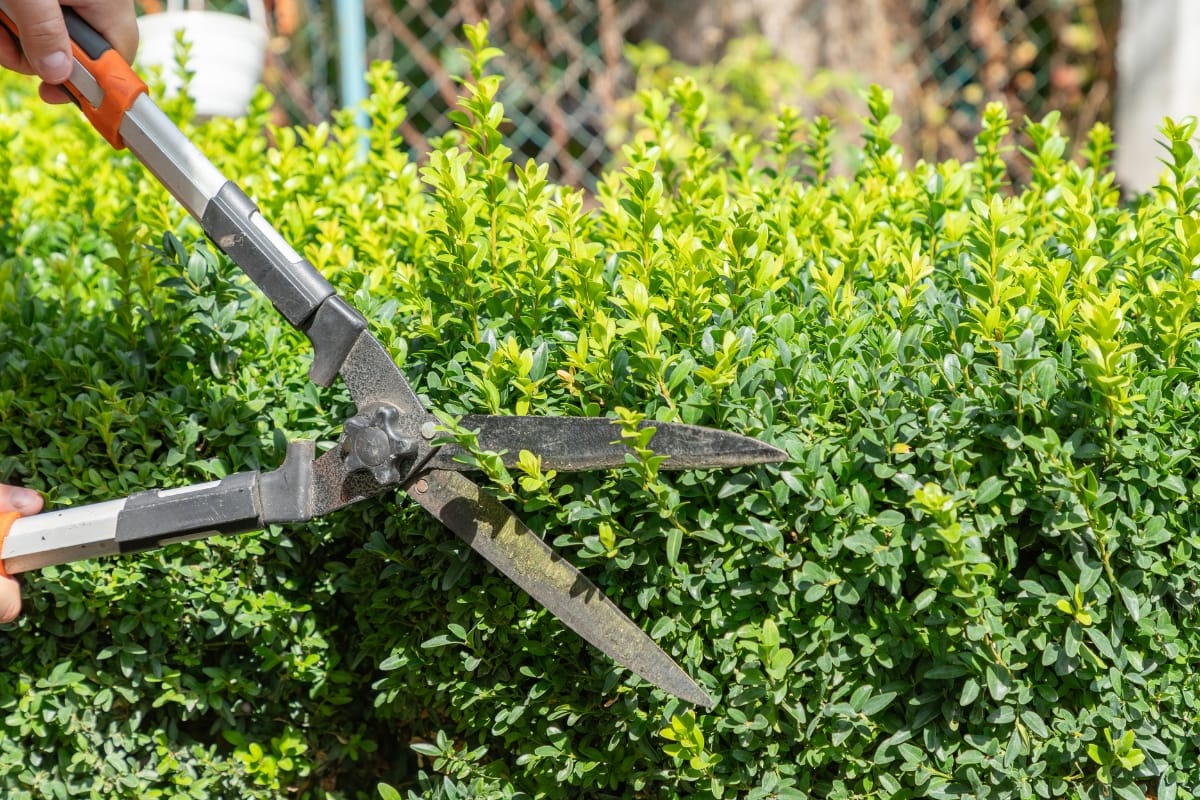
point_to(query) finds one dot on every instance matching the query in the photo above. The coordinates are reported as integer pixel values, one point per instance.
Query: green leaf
(426, 749)
(1035, 724)
(878, 703)
(946, 671)
(924, 600)
(998, 681)
(674, 545)
(62, 675)
(664, 627)
(1130, 791)
(970, 692)
(1131, 602)
(441, 640)
(989, 490)
(769, 637)
(780, 662)
(735, 484)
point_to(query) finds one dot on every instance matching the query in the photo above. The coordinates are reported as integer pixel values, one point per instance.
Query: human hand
(23, 502)
(45, 48)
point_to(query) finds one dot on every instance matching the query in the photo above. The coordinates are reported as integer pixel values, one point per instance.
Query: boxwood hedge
(976, 576)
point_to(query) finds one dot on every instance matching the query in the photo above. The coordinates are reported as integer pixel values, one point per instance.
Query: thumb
(13, 498)
(43, 38)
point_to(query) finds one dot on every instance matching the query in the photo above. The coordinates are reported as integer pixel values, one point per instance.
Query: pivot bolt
(373, 442)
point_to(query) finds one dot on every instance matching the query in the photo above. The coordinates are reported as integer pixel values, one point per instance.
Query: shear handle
(239, 503)
(132, 524)
(116, 102)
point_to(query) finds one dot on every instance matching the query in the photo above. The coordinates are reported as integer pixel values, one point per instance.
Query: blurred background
(571, 67)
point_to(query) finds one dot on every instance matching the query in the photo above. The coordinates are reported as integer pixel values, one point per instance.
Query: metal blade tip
(692, 693)
(766, 453)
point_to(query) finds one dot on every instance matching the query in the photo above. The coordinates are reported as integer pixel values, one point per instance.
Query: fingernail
(55, 67)
(25, 500)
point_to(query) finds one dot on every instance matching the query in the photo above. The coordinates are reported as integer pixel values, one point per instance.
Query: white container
(228, 53)
(1157, 65)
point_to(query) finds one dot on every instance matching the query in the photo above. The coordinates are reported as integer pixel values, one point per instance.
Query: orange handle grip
(6, 521)
(117, 85)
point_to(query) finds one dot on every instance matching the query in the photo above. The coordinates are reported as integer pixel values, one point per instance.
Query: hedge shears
(392, 440)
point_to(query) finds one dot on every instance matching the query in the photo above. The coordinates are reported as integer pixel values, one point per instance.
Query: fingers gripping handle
(116, 88)
(102, 84)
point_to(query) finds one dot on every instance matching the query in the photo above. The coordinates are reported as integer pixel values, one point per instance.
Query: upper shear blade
(496, 534)
(571, 444)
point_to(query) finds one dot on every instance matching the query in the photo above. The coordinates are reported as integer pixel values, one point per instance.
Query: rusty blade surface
(572, 444)
(496, 534)
(373, 377)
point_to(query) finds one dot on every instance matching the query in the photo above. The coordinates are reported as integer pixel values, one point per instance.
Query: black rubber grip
(151, 519)
(293, 285)
(88, 38)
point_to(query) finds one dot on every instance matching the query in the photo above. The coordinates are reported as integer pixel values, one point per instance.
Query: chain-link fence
(566, 67)
(1036, 56)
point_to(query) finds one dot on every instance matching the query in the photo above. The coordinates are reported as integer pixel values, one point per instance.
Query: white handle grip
(57, 537)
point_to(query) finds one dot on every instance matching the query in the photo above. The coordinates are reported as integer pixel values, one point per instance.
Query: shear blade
(573, 444)
(495, 533)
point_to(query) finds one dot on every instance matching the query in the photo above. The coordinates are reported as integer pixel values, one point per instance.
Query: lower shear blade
(495, 533)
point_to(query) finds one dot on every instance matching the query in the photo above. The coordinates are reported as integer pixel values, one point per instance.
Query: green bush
(743, 91)
(976, 576)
